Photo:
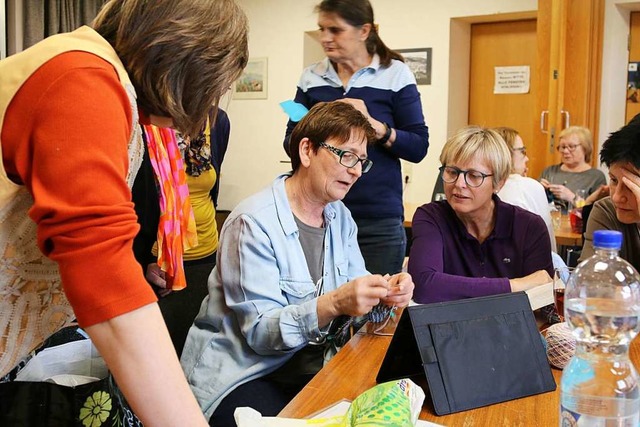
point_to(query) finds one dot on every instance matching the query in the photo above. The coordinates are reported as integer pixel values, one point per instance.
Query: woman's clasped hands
(359, 296)
(560, 191)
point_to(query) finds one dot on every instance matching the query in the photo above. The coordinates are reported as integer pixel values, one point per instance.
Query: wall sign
(512, 79)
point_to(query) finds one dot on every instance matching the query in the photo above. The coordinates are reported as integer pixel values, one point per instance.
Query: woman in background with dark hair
(361, 70)
(621, 210)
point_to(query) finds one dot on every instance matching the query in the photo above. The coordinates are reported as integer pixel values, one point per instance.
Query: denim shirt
(262, 302)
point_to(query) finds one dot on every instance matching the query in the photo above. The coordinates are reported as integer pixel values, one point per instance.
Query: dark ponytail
(358, 13)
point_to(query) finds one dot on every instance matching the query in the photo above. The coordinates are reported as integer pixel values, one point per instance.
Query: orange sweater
(65, 137)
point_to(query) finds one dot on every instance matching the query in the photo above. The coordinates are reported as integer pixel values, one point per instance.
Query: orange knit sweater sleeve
(65, 137)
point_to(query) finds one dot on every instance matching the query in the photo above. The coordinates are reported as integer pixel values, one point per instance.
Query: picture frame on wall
(419, 61)
(253, 82)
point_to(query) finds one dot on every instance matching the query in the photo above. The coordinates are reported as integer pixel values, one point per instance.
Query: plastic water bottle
(599, 386)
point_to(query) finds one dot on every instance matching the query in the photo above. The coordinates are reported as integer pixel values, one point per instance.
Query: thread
(561, 345)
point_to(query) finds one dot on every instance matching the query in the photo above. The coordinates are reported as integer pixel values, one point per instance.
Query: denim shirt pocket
(297, 291)
(343, 273)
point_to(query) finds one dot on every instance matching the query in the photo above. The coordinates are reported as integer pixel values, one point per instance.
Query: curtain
(43, 18)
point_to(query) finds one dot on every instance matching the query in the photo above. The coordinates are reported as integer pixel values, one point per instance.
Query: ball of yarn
(544, 342)
(561, 345)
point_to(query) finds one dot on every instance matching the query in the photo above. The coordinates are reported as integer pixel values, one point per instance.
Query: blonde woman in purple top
(473, 244)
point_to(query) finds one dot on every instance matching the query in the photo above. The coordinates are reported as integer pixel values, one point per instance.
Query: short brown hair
(473, 142)
(584, 136)
(329, 120)
(181, 55)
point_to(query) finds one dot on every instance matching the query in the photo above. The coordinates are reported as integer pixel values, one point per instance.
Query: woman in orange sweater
(71, 147)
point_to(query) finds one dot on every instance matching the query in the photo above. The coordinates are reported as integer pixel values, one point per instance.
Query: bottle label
(568, 418)
(593, 409)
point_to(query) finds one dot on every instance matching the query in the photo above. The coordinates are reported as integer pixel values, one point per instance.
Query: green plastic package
(394, 404)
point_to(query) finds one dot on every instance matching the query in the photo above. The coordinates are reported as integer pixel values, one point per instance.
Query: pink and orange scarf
(177, 226)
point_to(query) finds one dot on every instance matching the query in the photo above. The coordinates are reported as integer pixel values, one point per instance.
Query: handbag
(30, 396)
(43, 404)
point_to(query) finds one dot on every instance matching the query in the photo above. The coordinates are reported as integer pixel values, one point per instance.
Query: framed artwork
(419, 61)
(252, 83)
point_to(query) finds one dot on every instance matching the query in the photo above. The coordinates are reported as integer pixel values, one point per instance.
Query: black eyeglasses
(349, 159)
(523, 150)
(473, 178)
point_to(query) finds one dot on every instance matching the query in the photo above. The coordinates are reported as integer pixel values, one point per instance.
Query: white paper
(512, 79)
(249, 417)
(74, 358)
(540, 296)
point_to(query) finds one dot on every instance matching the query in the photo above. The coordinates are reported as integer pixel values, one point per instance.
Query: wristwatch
(386, 136)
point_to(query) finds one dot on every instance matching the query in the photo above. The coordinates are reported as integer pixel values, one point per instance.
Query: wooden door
(570, 63)
(633, 90)
(499, 44)
(563, 48)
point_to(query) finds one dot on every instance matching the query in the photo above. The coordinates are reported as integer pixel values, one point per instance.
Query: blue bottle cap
(607, 239)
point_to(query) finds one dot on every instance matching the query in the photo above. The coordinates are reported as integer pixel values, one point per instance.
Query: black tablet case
(473, 352)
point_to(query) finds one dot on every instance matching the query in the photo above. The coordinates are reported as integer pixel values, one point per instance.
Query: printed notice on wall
(512, 79)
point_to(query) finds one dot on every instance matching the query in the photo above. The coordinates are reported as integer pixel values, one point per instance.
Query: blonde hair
(472, 142)
(584, 136)
(509, 136)
(181, 55)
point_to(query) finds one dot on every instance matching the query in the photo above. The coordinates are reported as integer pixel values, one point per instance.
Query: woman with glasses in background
(473, 244)
(574, 172)
(520, 190)
(288, 266)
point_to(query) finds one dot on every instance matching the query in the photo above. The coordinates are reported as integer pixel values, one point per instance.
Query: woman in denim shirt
(288, 265)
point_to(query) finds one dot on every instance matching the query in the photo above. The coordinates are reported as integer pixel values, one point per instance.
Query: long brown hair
(358, 13)
(181, 55)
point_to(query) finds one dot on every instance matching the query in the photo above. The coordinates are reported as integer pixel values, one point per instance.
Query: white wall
(278, 32)
(3, 30)
(14, 41)
(615, 56)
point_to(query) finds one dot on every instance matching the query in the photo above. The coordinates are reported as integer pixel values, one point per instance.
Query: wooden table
(353, 370)
(562, 229)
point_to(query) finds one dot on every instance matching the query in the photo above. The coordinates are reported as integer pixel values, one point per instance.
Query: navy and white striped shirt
(391, 96)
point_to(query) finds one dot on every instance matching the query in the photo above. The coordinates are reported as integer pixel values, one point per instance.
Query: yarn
(561, 345)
